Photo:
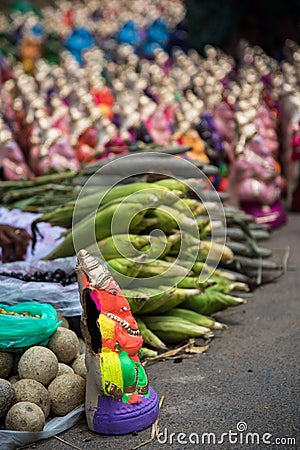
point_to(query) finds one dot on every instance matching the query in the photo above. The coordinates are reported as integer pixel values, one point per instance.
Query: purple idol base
(115, 417)
(273, 215)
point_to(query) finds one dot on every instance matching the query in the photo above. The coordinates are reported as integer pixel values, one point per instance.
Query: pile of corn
(175, 278)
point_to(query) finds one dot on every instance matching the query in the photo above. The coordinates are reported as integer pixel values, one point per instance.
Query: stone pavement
(248, 378)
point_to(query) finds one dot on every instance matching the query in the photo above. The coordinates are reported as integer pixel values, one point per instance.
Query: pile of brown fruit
(42, 382)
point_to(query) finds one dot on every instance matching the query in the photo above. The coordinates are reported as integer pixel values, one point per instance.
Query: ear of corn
(169, 220)
(125, 190)
(254, 263)
(191, 204)
(157, 298)
(61, 216)
(224, 273)
(175, 299)
(99, 227)
(120, 245)
(122, 266)
(244, 249)
(156, 247)
(237, 234)
(135, 299)
(184, 221)
(190, 283)
(141, 193)
(188, 239)
(173, 330)
(149, 337)
(239, 248)
(217, 251)
(210, 302)
(145, 225)
(148, 353)
(159, 246)
(226, 286)
(196, 318)
(163, 195)
(163, 269)
(163, 221)
(173, 184)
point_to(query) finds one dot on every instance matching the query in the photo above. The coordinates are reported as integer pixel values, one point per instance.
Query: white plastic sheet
(51, 235)
(65, 299)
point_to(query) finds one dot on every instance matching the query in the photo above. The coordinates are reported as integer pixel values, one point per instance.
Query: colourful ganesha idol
(118, 397)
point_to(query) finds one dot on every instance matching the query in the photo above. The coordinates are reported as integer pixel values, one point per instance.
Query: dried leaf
(154, 429)
(169, 354)
(200, 349)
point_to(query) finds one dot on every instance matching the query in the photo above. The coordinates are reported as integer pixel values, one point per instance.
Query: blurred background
(127, 67)
(267, 23)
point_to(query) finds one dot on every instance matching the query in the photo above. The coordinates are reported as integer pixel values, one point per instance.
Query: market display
(109, 96)
(166, 171)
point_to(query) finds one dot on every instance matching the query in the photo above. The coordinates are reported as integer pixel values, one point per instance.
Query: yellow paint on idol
(107, 327)
(111, 370)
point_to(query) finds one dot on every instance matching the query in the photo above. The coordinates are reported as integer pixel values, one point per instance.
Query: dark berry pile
(58, 276)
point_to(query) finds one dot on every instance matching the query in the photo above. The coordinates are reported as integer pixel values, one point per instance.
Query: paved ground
(250, 374)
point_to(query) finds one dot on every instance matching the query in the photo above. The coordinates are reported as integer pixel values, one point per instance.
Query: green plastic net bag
(26, 324)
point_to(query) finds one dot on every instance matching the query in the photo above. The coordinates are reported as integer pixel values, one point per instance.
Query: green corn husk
(239, 248)
(86, 205)
(253, 263)
(148, 353)
(98, 228)
(189, 241)
(120, 246)
(144, 193)
(259, 226)
(18, 194)
(6, 186)
(216, 251)
(197, 208)
(169, 219)
(173, 184)
(210, 302)
(145, 225)
(163, 269)
(149, 337)
(199, 267)
(190, 283)
(175, 299)
(159, 246)
(173, 330)
(163, 221)
(225, 273)
(146, 269)
(202, 269)
(236, 234)
(199, 271)
(93, 203)
(212, 251)
(61, 216)
(198, 319)
(125, 190)
(226, 286)
(124, 270)
(157, 298)
(136, 299)
(244, 249)
(146, 197)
